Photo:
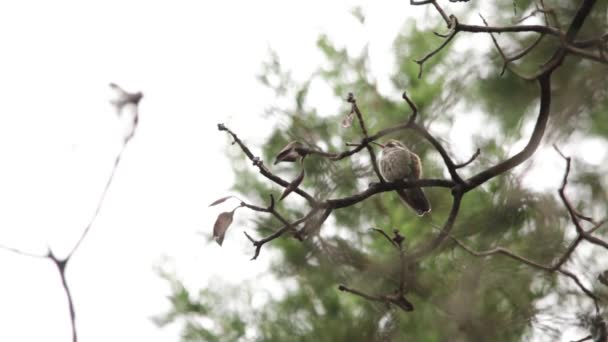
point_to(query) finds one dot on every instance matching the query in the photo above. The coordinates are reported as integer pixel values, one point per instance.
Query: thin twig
(550, 269)
(449, 38)
(24, 253)
(262, 168)
(288, 226)
(447, 227)
(575, 215)
(351, 99)
(473, 157)
(383, 233)
(395, 299)
(505, 59)
(61, 266)
(101, 198)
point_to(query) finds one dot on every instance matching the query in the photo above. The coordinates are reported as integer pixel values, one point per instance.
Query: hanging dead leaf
(221, 225)
(348, 120)
(288, 153)
(293, 185)
(221, 200)
(120, 97)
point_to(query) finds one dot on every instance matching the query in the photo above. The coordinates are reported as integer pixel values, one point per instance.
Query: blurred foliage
(457, 297)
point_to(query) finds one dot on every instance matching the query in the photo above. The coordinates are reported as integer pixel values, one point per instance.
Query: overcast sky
(196, 64)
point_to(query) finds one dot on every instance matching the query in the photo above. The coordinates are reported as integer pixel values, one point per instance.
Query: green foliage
(457, 297)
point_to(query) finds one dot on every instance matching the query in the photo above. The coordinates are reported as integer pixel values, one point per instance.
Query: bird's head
(392, 143)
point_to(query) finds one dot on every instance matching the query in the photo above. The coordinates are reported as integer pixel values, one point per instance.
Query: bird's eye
(390, 144)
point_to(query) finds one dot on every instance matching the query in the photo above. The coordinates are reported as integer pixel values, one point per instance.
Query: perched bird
(397, 162)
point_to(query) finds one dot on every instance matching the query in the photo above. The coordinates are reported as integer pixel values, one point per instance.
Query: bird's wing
(415, 166)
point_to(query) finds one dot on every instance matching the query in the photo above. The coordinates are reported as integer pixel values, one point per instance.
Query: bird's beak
(375, 143)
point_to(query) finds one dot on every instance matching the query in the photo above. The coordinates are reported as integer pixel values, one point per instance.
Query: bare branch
(550, 269)
(24, 253)
(101, 198)
(125, 98)
(597, 226)
(259, 243)
(262, 168)
(377, 188)
(533, 143)
(351, 99)
(288, 226)
(61, 266)
(383, 233)
(380, 299)
(521, 54)
(600, 57)
(504, 29)
(587, 43)
(412, 107)
(579, 18)
(430, 246)
(271, 209)
(582, 287)
(447, 160)
(575, 215)
(395, 299)
(473, 157)
(507, 60)
(448, 20)
(453, 23)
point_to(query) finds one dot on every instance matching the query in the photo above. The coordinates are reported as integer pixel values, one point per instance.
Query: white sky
(196, 64)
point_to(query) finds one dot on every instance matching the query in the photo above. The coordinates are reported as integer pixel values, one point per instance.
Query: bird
(397, 162)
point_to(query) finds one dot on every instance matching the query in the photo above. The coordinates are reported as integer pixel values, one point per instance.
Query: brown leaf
(348, 120)
(221, 200)
(293, 185)
(221, 225)
(288, 153)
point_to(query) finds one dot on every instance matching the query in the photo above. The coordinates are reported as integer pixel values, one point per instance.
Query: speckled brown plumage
(399, 163)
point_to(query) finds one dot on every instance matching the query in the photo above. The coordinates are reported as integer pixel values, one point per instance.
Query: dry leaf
(348, 120)
(288, 153)
(221, 225)
(120, 97)
(293, 185)
(220, 200)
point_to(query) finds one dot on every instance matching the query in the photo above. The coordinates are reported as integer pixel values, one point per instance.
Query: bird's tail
(416, 199)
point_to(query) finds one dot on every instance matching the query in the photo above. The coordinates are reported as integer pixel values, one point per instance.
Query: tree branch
(395, 299)
(550, 269)
(469, 161)
(101, 198)
(579, 19)
(428, 247)
(124, 98)
(351, 99)
(262, 168)
(61, 265)
(574, 215)
(377, 188)
(539, 130)
(453, 24)
(288, 226)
